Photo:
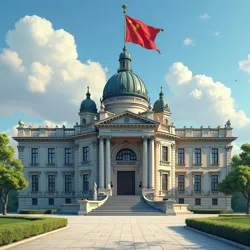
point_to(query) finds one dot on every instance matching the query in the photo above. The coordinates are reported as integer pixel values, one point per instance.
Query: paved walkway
(125, 232)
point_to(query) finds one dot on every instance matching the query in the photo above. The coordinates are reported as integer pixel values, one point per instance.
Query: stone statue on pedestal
(95, 192)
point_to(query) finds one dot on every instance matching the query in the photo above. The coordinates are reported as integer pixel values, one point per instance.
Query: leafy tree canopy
(11, 171)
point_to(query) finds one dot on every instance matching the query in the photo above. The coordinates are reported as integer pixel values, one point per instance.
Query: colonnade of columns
(148, 162)
(148, 166)
(101, 162)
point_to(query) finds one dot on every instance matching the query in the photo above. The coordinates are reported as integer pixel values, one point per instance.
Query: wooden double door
(125, 182)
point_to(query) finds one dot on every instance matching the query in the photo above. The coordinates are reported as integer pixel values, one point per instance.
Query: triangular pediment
(127, 118)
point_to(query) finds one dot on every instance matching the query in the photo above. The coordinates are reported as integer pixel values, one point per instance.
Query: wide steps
(125, 205)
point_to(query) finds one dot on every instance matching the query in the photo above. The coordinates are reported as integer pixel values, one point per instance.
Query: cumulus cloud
(204, 16)
(217, 33)
(204, 101)
(40, 73)
(245, 64)
(188, 41)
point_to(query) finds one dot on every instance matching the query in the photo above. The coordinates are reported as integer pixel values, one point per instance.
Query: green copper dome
(125, 82)
(161, 105)
(88, 105)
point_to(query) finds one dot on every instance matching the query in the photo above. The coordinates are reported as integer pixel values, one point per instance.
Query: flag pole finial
(124, 6)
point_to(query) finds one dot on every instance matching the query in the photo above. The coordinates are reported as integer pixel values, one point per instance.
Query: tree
(238, 180)
(11, 172)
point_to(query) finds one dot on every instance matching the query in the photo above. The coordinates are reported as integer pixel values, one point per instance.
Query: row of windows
(51, 155)
(198, 201)
(197, 156)
(52, 183)
(51, 201)
(197, 183)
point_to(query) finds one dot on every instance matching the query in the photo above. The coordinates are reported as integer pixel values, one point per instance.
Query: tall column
(145, 162)
(108, 167)
(101, 163)
(151, 163)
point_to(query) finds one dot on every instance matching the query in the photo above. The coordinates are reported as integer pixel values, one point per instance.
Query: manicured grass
(11, 220)
(238, 220)
(235, 228)
(26, 227)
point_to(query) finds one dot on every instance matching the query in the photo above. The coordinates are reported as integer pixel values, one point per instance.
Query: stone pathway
(125, 232)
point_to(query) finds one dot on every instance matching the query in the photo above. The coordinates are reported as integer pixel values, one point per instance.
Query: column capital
(228, 147)
(76, 146)
(144, 137)
(108, 137)
(101, 137)
(173, 146)
(152, 137)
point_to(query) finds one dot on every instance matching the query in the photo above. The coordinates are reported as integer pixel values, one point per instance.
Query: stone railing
(204, 132)
(86, 206)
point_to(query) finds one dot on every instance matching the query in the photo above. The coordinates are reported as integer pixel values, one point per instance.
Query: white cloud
(40, 73)
(217, 33)
(205, 16)
(188, 41)
(245, 64)
(204, 101)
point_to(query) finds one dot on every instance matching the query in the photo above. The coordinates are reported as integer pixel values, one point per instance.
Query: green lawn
(245, 221)
(10, 220)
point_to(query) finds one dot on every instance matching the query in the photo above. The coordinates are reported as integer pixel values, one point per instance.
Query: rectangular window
(51, 183)
(34, 181)
(197, 202)
(215, 155)
(197, 183)
(85, 154)
(164, 182)
(181, 158)
(181, 183)
(164, 153)
(34, 202)
(68, 183)
(85, 179)
(197, 156)
(68, 201)
(51, 155)
(181, 201)
(34, 156)
(214, 202)
(214, 183)
(68, 155)
(51, 201)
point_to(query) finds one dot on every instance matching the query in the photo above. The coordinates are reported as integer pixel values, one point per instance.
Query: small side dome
(88, 105)
(161, 105)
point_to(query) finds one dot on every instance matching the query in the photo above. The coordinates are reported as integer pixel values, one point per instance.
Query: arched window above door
(126, 154)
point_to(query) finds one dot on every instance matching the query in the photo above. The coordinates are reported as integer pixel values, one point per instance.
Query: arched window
(83, 121)
(126, 155)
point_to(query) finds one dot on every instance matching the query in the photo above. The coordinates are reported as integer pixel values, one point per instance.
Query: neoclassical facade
(128, 147)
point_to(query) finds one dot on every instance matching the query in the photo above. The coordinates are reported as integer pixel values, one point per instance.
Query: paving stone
(126, 232)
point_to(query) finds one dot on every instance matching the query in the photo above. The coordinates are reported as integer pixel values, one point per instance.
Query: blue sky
(98, 30)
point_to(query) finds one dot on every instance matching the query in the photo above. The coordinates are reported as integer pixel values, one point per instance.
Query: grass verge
(24, 227)
(234, 228)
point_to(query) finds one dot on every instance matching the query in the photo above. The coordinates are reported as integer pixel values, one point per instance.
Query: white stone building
(128, 147)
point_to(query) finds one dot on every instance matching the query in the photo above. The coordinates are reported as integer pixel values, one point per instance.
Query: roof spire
(161, 93)
(88, 94)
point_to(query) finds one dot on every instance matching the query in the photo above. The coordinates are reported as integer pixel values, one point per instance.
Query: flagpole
(124, 6)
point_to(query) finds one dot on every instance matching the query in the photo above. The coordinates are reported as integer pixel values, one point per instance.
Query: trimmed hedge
(41, 211)
(219, 226)
(211, 211)
(10, 233)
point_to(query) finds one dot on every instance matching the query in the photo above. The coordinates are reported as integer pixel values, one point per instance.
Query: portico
(142, 144)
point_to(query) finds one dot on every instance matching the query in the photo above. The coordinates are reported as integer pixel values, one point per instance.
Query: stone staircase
(125, 205)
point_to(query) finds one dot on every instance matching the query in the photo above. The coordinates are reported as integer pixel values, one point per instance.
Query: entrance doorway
(125, 182)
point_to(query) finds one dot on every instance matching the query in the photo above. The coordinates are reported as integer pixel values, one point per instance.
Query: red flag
(140, 33)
